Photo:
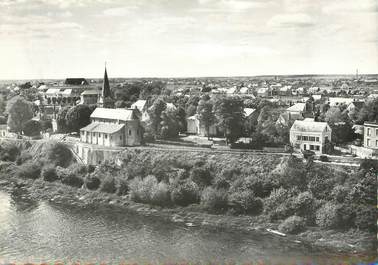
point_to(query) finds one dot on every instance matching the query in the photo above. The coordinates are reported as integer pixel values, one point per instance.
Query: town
(321, 116)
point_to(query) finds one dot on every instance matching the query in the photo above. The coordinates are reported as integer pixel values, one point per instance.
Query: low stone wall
(92, 155)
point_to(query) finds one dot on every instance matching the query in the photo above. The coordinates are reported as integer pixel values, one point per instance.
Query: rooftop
(114, 114)
(308, 125)
(297, 107)
(103, 127)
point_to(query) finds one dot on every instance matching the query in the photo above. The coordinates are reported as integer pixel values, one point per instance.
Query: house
(297, 109)
(194, 126)
(284, 91)
(371, 135)
(310, 135)
(263, 92)
(113, 127)
(337, 101)
(141, 106)
(355, 107)
(90, 97)
(286, 118)
(3, 130)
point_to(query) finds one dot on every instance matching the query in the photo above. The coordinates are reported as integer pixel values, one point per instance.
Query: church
(111, 127)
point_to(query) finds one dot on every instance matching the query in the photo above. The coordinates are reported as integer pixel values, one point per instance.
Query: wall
(93, 155)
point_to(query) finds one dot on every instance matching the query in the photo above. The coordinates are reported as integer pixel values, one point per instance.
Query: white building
(310, 135)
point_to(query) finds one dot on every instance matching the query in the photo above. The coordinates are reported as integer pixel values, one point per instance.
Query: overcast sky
(177, 38)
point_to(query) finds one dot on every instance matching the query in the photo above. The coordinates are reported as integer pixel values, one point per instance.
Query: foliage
(19, 112)
(49, 174)
(71, 179)
(205, 114)
(279, 204)
(149, 190)
(58, 154)
(78, 117)
(328, 216)
(61, 120)
(9, 151)
(230, 116)
(23, 157)
(184, 192)
(201, 176)
(92, 182)
(32, 128)
(155, 113)
(29, 170)
(169, 124)
(214, 200)
(292, 225)
(369, 164)
(108, 185)
(46, 125)
(369, 112)
(245, 202)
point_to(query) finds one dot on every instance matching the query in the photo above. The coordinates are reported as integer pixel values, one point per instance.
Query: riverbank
(330, 241)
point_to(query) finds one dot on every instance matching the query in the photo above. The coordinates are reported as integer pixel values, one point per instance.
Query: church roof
(103, 127)
(114, 114)
(105, 86)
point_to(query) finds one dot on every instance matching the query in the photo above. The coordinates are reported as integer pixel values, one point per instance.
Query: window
(120, 137)
(368, 131)
(106, 136)
(312, 138)
(129, 132)
(94, 134)
(305, 138)
(312, 147)
(99, 135)
(368, 142)
(317, 139)
(376, 132)
(317, 147)
(82, 133)
(376, 142)
(299, 137)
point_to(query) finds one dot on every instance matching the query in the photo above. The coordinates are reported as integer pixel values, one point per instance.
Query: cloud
(293, 20)
(228, 6)
(119, 11)
(349, 6)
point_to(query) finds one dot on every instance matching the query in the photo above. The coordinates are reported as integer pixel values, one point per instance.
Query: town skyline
(43, 39)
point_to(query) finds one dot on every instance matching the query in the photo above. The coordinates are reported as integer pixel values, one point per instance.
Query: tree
(230, 115)
(19, 112)
(169, 124)
(61, 120)
(78, 117)
(2, 104)
(334, 115)
(369, 112)
(206, 115)
(155, 113)
(32, 128)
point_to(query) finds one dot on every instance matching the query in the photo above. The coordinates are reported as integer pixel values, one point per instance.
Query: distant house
(90, 97)
(338, 101)
(310, 135)
(194, 126)
(287, 117)
(355, 106)
(263, 92)
(284, 91)
(113, 127)
(141, 106)
(297, 109)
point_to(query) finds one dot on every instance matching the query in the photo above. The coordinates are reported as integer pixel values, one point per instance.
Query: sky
(43, 39)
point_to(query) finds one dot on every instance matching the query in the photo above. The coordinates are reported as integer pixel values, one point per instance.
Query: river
(38, 231)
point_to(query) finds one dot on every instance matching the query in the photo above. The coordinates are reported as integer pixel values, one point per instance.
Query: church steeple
(105, 100)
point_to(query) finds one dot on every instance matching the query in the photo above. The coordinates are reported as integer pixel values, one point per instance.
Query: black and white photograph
(163, 132)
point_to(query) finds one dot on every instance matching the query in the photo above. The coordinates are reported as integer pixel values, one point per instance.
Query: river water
(37, 231)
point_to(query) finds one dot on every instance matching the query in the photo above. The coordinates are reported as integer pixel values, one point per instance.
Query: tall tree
(19, 112)
(78, 117)
(32, 128)
(155, 113)
(230, 115)
(369, 112)
(61, 120)
(206, 115)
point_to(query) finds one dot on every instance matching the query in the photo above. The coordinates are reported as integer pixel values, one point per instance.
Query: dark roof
(75, 81)
(105, 86)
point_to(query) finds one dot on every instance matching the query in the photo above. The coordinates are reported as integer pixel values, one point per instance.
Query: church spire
(105, 86)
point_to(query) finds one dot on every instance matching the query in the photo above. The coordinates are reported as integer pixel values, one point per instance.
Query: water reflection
(42, 232)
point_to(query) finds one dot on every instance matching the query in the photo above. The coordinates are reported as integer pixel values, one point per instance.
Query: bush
(201, 176)
(122, 187)
(245, 202)
(328, 216)
(149, 190)
(58, 154)
(32, 128)
(70, 179)
(214, 200)
(303, 204)
(9, 152)
(292, 225)
(339, 193)
(108, 185)
(29, 170)
(184, 192)
(23, 157)
(366, 217)
(49, 174)
(279, 204)
(261, 186)
(321, 186)
(92, 182)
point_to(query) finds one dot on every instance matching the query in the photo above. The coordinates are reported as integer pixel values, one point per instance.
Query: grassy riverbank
(333, 207)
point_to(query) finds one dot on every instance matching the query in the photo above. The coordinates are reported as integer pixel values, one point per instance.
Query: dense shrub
(303, 204)
(261, 186)
(201, 176)
(292, 225)
(245, 202)
(279, 204)
(321, 186)
(122, 187)
(291, 172)
(49, 173)
(184, 192)
(108, 185)
(29, 170)
(9, 151)
(366, 217)
(149, 190)
(58, 154)
(214, 200)
(23, 157)
(339, 193)
(328, 216)
(70, 179)
(92, 182)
